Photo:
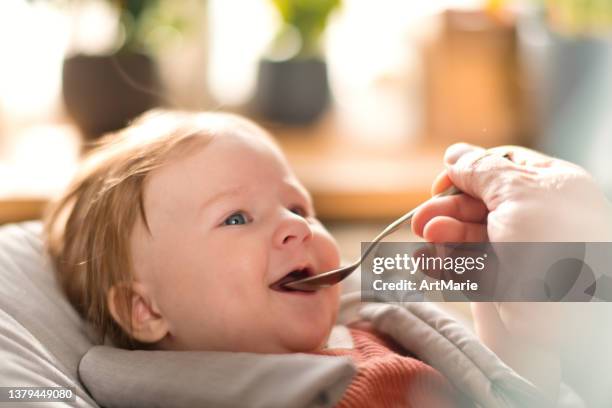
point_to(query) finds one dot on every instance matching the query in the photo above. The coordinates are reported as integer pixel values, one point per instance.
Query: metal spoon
(330, 278)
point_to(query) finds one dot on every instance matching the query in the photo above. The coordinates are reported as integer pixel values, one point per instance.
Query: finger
(455, 151)
(482, 174)
(447, 229)
(461, 207)
(432, 270)
(441, 183)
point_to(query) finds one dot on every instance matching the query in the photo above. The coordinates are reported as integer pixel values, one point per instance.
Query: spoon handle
(395, 225)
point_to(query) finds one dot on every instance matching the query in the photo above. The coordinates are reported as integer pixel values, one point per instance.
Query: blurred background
(364, 96)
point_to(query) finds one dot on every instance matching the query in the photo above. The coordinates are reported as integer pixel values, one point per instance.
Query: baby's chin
(307, 335)
(312, 340)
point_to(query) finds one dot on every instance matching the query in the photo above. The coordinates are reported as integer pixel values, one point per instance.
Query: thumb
(455, 151)
(478, 172)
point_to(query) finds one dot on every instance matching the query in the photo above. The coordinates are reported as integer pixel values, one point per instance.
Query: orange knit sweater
(388, 379)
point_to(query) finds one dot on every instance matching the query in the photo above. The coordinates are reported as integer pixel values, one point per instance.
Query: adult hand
(526, 197)
(513, 194)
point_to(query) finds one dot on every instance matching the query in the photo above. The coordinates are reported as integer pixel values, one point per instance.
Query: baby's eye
(299, 210)
(237, 218)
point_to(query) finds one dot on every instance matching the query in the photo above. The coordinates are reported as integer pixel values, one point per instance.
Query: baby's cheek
(326, 248)
(334, 304)
(335, 297)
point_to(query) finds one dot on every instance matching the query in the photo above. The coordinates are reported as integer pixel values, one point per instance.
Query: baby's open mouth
(290, 277)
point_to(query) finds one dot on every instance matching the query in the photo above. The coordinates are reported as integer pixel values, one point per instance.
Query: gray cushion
(122, 378)
(42, 339)
(456, 352)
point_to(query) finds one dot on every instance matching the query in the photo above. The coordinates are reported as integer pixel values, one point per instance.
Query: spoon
(323, 280)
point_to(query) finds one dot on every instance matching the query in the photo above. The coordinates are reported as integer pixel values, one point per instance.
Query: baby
(176, 229)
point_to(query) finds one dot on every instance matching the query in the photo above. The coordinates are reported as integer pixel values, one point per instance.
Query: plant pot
(293, 91)
(103, 93)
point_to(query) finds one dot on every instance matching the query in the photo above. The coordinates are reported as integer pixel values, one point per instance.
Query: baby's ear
(147, 324)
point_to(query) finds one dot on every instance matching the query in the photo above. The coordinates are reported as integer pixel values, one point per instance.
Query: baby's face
(226, 222)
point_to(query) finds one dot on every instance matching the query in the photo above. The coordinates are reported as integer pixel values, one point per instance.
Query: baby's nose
(292, 230)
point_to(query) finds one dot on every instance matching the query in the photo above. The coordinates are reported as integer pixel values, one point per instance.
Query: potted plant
(292, 84)
(103, 92)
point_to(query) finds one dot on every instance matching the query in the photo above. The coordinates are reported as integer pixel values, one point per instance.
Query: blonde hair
(88, 228)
